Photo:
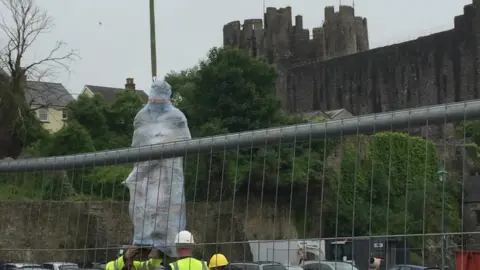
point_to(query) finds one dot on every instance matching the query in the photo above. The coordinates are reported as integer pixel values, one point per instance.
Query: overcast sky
(186, 29)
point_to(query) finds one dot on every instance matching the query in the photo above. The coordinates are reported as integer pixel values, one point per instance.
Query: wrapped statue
(157, 199)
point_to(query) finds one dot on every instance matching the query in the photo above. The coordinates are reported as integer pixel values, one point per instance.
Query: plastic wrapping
(157, 200)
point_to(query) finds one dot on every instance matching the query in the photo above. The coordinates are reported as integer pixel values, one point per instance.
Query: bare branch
(28, 22)
(21, 24)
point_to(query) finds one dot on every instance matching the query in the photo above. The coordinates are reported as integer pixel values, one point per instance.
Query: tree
(229, 92)
(235, 90)
(92, 114)
(26, 24)
(72, 138)
(120, 117)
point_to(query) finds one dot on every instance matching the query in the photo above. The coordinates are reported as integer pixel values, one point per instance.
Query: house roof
(110, 93)
(334, 113)
(328, 114)
(47, 94)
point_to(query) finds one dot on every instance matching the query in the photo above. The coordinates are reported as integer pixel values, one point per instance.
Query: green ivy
(389, 183)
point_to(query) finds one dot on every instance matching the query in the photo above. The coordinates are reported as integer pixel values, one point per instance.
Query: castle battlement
(277, 37)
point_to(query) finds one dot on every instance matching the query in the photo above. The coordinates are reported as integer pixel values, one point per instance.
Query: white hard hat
(184, 238)
(374, 263)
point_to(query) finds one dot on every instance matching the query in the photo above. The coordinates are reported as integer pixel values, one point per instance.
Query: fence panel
(399, 185)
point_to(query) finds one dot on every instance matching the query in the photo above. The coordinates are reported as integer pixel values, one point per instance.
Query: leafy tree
(109, 124)
(235, 90)
(72, 138)
(228, 92)
(120, 118)
(92, 114)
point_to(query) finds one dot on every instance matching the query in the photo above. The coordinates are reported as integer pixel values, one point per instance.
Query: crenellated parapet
(278, 37)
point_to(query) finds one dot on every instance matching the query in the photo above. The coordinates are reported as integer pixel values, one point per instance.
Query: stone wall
(82, 232)
(434, 69)
(335, 68)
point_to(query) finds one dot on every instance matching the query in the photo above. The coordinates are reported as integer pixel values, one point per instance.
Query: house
(50, 101)
(110, 93)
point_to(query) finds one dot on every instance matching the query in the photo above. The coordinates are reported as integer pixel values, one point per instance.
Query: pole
(442, 177)
(443, 226)
(153, 47)
(388, 121)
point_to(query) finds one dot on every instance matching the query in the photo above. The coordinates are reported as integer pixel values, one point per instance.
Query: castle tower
(231, 33)
(344, 33)
(278, 31)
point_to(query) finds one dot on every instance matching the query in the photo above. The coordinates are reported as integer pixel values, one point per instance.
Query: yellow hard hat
(218, 260)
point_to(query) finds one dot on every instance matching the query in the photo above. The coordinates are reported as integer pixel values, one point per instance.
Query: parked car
(98, 265)
(261, 265)
(60, 266)
(7, 266)
(293, 267)
(412, 267)
(32, 268)
(327, 265)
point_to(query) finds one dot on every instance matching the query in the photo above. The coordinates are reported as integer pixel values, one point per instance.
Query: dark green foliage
(92, 114)
(71, 139)
(232, 92)
(396, 174)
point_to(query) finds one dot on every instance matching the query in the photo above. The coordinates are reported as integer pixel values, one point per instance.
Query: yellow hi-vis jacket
(188, 263)
(118, 264)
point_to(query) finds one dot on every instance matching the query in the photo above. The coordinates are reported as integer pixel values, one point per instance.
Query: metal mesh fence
(400, 185)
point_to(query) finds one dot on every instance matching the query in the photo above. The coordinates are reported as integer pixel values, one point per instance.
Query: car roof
(60, 263)
(330, 263)
(23, 264)
(258, 262)
(411, 265)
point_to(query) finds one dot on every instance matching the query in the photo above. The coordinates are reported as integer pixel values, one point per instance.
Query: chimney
(130, 85)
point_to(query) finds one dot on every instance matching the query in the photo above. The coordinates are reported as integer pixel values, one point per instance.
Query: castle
(341, 34)
(334, 68)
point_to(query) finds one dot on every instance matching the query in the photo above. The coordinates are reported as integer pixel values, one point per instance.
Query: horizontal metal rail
(437, 114)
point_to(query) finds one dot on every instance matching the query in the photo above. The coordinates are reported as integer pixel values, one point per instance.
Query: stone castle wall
(334, 67)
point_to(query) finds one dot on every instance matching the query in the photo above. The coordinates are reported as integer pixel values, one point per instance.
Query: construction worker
(184, 246)
(136, 259)
(218, 262)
